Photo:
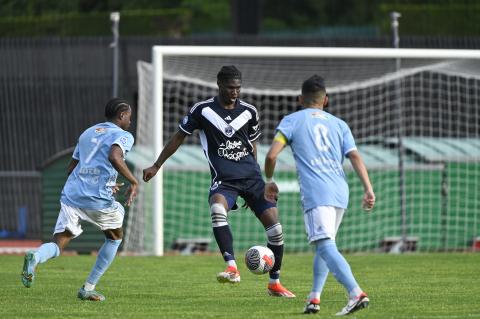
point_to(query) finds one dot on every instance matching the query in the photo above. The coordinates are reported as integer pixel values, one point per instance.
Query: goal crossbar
(308, 52)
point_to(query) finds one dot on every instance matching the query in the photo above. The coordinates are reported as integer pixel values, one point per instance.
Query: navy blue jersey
(226, 136)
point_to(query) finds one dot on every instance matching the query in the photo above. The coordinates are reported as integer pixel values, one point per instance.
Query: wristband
(270, 180)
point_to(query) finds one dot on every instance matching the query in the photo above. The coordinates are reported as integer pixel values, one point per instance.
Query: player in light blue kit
(88, 195)
(319, 142)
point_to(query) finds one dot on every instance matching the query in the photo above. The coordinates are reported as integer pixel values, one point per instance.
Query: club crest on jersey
(228, 130)
(185, 120)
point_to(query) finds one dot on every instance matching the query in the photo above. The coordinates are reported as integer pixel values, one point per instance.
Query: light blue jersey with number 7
(319, 142)
(89, 186)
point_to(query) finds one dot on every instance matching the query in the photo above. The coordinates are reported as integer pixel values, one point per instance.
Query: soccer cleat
(230, 275)
(312, 306)
(90, 295)
(355, 304)
(277, 290)
(28, 273)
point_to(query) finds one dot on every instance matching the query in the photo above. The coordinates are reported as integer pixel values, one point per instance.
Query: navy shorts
(250, 189)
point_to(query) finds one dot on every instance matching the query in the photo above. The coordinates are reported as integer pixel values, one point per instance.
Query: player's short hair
(313, 89)
(229, 72)
(115, 106)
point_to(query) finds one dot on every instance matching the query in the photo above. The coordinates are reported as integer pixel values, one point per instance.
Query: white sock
(355, 292)
(232, 263)
(314, 295)
(88, 286)
(274, 281)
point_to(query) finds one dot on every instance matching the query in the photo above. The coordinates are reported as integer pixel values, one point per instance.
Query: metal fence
(51, 89)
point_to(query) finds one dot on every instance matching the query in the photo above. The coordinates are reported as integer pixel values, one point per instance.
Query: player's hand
(271, 192)
(149, 172)
(131, 193)
(368, 200)
(116, 188)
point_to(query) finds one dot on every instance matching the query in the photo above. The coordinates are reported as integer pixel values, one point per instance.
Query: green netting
(439, 222)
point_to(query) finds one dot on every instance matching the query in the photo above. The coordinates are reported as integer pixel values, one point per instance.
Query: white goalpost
(437, 93)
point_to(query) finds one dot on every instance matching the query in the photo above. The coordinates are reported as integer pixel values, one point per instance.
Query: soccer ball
(259, 259)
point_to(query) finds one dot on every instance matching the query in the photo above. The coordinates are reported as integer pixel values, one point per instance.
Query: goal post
(360, 82)
(158, 145)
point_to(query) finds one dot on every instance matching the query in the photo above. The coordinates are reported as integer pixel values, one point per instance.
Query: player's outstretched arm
(116, 158)
(172, 145)
(361, 170)
(271, 189)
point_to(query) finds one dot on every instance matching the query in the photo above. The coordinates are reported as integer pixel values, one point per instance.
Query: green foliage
(444, 19)
(417, 286)
(11, 8)
(209, 16)
(308, 14)
(428, 17)
(167, 22)
(91, 17)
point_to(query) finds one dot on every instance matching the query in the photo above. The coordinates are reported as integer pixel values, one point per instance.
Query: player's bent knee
(275, 234)
(114, 234)
(218, 214)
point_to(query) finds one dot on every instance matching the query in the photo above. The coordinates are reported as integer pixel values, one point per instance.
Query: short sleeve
(190, 121)
(76, 153)
(286, 127)
(254, 128)
(125, 141)
(348, 140)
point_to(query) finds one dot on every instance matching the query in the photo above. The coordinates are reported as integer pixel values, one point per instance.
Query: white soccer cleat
(312, 306)
(230, 275)
(355, 304)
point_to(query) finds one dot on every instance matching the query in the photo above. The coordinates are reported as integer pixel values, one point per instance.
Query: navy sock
(278, 253)
(224, 239)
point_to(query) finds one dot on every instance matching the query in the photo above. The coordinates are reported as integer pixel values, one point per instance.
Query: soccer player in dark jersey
(228, 129)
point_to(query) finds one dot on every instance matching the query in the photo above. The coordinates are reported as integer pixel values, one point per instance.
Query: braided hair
(115, 106)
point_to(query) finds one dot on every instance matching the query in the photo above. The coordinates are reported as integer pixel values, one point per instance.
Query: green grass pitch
(399, 286)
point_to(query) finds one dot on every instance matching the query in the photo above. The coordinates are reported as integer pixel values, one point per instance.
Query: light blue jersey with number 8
(89, 186)
(319, 142)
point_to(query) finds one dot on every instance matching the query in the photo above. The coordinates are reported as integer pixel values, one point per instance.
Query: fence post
(115, 18)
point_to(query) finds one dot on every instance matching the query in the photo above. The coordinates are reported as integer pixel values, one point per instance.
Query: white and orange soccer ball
(259, 259)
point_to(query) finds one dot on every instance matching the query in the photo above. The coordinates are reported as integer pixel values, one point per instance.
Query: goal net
(417, 128)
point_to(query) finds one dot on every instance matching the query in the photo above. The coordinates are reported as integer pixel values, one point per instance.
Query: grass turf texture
(399, 286)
